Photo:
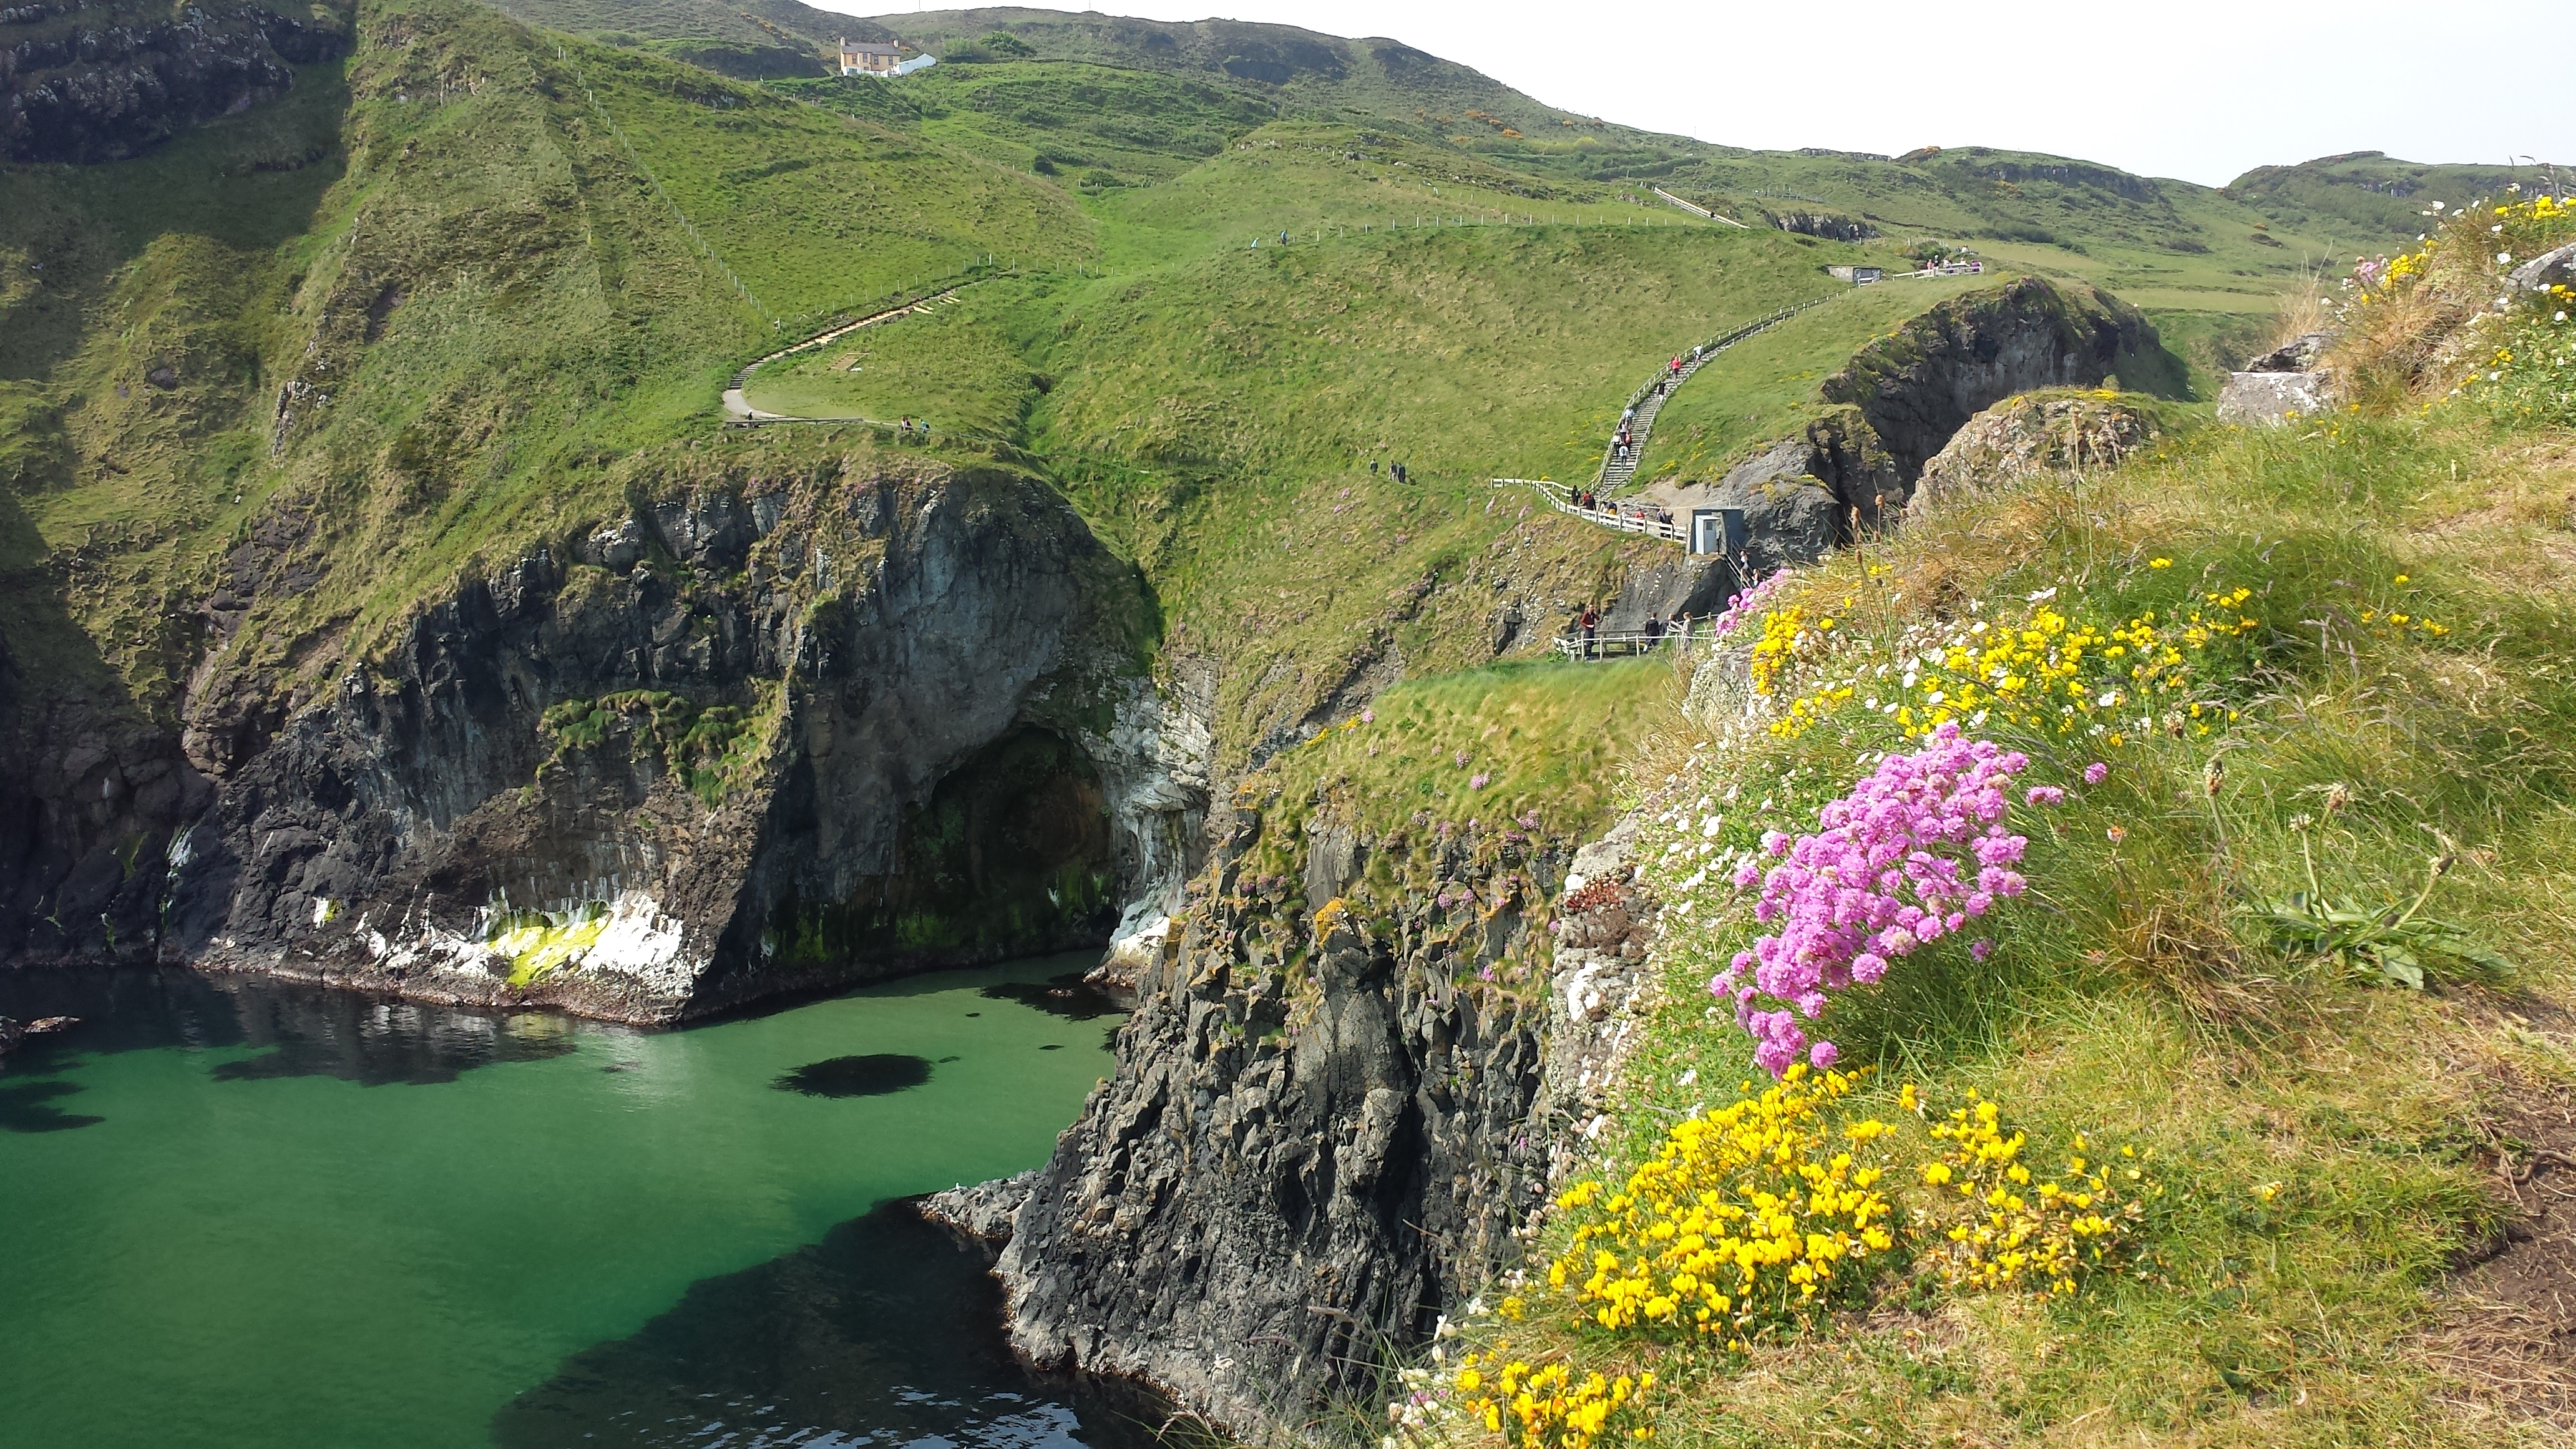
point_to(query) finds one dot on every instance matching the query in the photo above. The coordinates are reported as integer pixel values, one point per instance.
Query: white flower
(2043, 595)
(1711, 826)
(2504, 258)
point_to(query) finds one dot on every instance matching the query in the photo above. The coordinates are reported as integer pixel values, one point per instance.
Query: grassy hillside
(490, 268)
(2374, 199)
(1766, 387)
(2272, 1022)
(755, 39)
(952, 369)
(405, 319)
(1087, 125)
(1231, 422)
(1305, 73)
(817, 212)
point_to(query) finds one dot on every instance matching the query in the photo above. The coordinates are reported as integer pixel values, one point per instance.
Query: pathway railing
(1630, 518)
(1696, 210)
(1629, 645)
(1647, 400)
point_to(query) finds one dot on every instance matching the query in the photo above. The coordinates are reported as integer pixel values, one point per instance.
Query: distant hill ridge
(2319, 208)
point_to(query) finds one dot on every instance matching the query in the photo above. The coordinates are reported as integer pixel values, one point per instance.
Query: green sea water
(241, 1214)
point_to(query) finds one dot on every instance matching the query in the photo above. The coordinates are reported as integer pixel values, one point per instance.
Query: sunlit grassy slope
(817, 212)
(1091, 126)
(1546, 738)
(2347, 1234)
(953, 369)
(2376, 200)
(1765, 386)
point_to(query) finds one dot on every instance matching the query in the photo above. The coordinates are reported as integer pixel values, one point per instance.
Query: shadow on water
(868, 1076)
(1068, 996)
(28, 1107)
(306, 1030)
(888, 1332)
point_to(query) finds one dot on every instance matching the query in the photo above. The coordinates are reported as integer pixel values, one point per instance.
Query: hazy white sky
(2188, 88)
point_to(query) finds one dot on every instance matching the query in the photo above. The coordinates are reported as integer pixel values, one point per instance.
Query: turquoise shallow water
(238, 1213)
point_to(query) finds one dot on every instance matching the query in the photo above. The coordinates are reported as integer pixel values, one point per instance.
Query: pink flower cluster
(1747, 604)
(1926, 826)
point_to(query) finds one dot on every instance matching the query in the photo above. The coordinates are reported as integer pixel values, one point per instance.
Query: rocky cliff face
(1328, 1126)
(97, 80)
(779, 728)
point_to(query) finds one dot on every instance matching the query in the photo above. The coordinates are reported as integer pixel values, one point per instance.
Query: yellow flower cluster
(2009, 1227)
(2045, 672)
(2398, 621)
(1548, 1407)
(2403, 622)
(1744, 1219)
(2516, 229)
(1784, 635)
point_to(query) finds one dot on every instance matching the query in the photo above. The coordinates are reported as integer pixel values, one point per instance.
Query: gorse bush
(2000, 1225)
(1748, 1220)
(1761, 1219)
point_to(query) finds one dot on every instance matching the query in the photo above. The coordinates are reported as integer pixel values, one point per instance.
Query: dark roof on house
(872, 47)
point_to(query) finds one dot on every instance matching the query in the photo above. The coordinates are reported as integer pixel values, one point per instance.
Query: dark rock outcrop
(1917, 388)
(1829, 225)
(859, 716)
(2299, 354)
(1327, 1128)
(82, 82)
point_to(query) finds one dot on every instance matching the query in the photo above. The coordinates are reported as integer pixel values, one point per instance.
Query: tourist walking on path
(1591, 631)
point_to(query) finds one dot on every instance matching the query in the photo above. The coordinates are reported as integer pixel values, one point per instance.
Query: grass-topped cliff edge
(2226, 1098)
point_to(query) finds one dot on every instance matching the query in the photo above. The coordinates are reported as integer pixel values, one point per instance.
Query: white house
(868, 57)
